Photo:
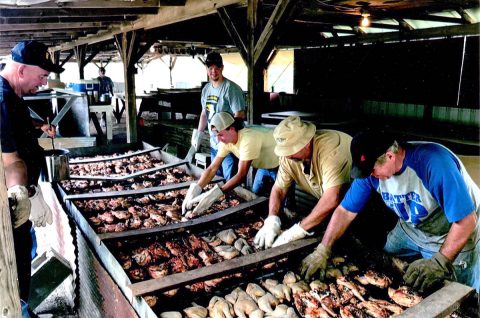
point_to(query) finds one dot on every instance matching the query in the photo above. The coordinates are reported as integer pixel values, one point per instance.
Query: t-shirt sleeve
(6, 131)
(357, 196)
(445, 182)
(223, 150)
(236, 99)
(284, 178)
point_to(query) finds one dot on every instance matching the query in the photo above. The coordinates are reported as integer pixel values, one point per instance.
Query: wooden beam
(80, 52)
(233, 32)
(75, 12)
(51, 26)
(70, 54)
(283, 10)
(422, 34)
(165, 16)
(255, 72)
(9, 292)
(92, 4)
(38, 20)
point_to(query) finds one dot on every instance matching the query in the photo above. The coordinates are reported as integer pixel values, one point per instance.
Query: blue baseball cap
(36, 54)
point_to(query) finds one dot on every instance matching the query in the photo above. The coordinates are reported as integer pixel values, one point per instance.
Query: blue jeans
(263, 182)
(228, 168)
(466, 265)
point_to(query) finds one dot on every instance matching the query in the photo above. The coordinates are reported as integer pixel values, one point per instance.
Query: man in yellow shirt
(252, 146)
(319, 162)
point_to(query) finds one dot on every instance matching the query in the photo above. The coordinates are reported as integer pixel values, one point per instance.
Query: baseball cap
(221, 121)
(214, 58)
(291, 135)
(366, 147)
(36, 54)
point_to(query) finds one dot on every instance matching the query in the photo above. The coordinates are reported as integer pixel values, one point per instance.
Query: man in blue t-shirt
(432, 194)
(219, 95)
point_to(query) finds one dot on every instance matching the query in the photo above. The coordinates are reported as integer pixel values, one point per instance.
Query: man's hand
(423, 274)
(41, 213)
(269, 231)
(196, 139)
(193, 191)
(296, 232)
(18, 194)
(49, 129)
(316, 261)
(206, 199)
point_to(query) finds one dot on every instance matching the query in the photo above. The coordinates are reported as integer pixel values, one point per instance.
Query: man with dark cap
(106, 85)
(435, 199)
(219, 95)
(319, 163)
(24, 73)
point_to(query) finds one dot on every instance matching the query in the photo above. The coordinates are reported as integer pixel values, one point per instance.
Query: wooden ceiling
(188, 27)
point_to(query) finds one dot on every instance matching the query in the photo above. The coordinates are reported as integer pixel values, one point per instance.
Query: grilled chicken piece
(299, 286)
(177, 265)
(175, 248)
(137, 274)
(195, 242)
(212, 240)
(158, 271)
(158, 251)
(106, 217)
(95, 220)
(227, 236)
(149, 223)
(243, 247)
(337, 260)
(151, 300)
(171, 314)
(393, 308)
(244, 305)
(349, 268)
(377, 279)
(142, 256)
(308, 306)
(281, 292)
(255, 291)
(282, 311)
(357, 290)
(332, 272)
(350, 311)
(227, 251)
(290, 278)
(266, 302)
(157, 217)
(125, 261)
(196, 312)
(121, 215)
(325, 301)
(134, 223)
(318, 286)
(373, 309)
(220, 308)
(192, 261)
(404, 296)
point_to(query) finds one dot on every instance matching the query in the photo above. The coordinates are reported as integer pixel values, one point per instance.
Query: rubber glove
(423, 274)
(296, 232)
(193, 191)
(20, 204)
(196, 139)
(316, 261)
(206, 199)
(269, 231)
(40, 213)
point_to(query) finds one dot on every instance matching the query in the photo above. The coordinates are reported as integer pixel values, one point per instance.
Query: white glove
(41, 213)
(193, 191)
(269, 231)
(196, 139)
(21, 204)
(206, 199)
(296, 232)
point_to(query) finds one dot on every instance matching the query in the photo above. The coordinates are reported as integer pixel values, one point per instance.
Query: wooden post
(9, 292)
(80, 52)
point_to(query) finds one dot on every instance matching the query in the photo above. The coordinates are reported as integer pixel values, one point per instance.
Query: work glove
(423, 274)
(269, 231)
(193, 191)
(196, 139)
(296, 232)
(205, 200)
(315, 262)
(20, 205)
(40, 213)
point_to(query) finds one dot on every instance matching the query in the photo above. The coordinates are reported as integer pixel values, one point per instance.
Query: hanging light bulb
(365, 20)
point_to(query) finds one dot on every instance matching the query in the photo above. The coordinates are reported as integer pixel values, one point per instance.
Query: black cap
(365, 148)
(214, 58)
(36, 54)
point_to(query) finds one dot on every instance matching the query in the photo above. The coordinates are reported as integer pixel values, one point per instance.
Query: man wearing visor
(435, 199)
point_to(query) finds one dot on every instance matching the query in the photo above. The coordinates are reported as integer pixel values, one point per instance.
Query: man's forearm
(458, 236)
(275, 201)
(339, 223)
(16, 174)
(202, 123)
(324, 207)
